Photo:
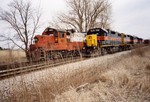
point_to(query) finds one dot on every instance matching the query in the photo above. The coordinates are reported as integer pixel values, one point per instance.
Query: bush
(1, 48)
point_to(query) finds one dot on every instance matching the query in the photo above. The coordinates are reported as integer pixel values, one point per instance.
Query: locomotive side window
(112, 32)
(62, 35)
(68, 33)
(56, 34)
(119, 34)
(51, 34)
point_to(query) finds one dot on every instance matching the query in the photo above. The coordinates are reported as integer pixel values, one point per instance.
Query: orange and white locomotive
(54, 43)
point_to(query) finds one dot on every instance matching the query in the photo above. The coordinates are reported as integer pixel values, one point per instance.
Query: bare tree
(23, 20)
(86, 14)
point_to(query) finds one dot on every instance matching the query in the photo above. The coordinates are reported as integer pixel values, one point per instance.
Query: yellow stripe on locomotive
(91, 40)
(122, 38)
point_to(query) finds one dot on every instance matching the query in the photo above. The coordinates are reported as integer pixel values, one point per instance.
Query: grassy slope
(127, 80)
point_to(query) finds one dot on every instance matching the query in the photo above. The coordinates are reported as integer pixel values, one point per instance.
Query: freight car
(147, 41)
(100, 41)
(55, 43)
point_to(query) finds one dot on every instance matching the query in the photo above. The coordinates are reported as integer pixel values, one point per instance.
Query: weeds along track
(21, 70)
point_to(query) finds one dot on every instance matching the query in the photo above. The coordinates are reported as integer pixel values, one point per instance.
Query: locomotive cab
(57, 35)
(95, 37)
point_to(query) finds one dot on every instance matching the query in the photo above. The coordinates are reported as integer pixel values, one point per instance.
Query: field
(121, 77)
(127, 80)
(9, 56)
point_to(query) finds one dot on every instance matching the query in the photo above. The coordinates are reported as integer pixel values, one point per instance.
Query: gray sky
(132, 17)
(128, 16)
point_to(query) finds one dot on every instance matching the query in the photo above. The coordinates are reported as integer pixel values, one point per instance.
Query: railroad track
(5, 73)
(16, 71)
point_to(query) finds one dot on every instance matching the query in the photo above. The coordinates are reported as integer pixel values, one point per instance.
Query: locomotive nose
(91, 40)
(36, 39)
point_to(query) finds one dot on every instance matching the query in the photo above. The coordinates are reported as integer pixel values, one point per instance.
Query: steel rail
(20, 70)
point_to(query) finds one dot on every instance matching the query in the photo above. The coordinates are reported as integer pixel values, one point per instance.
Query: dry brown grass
(9, 56)
(126, 79)
(48, 88)
(148, 67)
(140, 51)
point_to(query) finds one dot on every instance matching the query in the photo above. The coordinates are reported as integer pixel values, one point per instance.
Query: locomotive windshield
(35, 40)
(50, 32)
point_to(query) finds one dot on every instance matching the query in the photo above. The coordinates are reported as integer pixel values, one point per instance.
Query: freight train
(147, 41)
(56, 43)
(101, 41)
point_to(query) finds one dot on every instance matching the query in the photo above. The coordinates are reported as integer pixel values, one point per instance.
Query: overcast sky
(132, 17)
(128, 16)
